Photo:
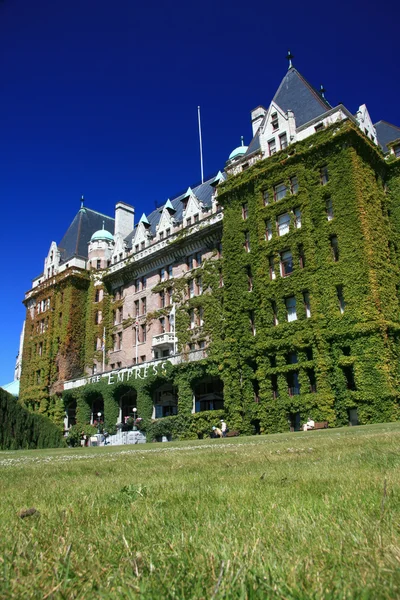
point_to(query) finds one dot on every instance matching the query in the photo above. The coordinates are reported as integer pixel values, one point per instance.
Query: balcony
(163, 341)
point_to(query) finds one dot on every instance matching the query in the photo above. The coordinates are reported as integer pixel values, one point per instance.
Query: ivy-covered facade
(265, 295)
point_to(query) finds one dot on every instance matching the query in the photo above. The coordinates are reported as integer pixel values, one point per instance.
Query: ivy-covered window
(247, 241)
(291, 309)
(252, 322)
(97, 296)
(271, 268)
(191, 289)
(201, 317)
(249, 279)
(162, 299)
(293, 383)
(170, 272)
(280, 191)
(334, 247)
(306, 299)
(198, 257)
(245, 210)
(192, 319)
(312, 380)
(268, 230)
(340, 297)
(292, 358)
(274, 308)
(329, 209)
(283, 141)
(162, 327)
(302, 258)
(324, 175)
(283, 222)
(162, 274)
(297, 218)
(266, 197)
(294, 185)
(199, 285)
(286, 263)
(272, 146)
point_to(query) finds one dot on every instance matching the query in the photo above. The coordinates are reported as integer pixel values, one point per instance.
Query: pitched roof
(12, 388)
(76, 239)
(386, 132)
(203, 192)
(296, 94)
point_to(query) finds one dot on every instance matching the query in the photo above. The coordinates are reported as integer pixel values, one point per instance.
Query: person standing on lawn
(224, 428)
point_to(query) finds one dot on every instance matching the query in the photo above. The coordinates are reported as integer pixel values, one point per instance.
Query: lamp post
(98, 422)
(134, 410)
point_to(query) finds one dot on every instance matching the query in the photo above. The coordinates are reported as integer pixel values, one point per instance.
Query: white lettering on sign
(121, 375)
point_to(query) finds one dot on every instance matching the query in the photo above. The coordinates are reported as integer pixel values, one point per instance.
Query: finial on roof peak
(82, 201)
(242, 140)
(322, 90)
(289, 58)
(103, 225)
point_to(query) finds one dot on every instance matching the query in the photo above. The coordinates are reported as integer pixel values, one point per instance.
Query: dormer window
(161, 235)
(272, 146)
(274, 121)
(168, 232)
(188, 221)
(397, 150)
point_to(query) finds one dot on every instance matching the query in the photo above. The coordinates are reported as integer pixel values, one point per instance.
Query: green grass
(289, 516)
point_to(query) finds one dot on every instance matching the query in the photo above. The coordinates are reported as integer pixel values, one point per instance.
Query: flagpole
(201, 146)
(104, 349)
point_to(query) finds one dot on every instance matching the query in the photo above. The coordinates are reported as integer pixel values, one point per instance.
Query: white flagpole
(173, 314)
(104, 349)
(137, 340)
(201, 146)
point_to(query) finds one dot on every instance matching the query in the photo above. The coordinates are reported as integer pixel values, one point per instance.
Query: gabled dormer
(277, 130)
(142, 234)
(167, 222)
(193, 208)
(365, 123)
(52, 261)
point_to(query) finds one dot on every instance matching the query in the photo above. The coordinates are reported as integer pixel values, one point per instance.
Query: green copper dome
(239, 151)
(102, 234)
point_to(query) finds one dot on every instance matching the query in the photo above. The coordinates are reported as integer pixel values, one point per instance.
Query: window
(319, 127)
(190, 262)
(136, 247)
(119, 314)
(291, 309)
(142, 245)
(192, 319)
(302, 258)
(274, 308)
(339, 292)
(268, 230)
(136, 308)
(265, 198)
(191, 289)
(282, 223)
(324, 175)
(247, 241)
(397, 150)
(94, 369)
(97, 317)
(168, 298)
(202, 345)
(188, 221)
(306, 300)
(274, 121)
(293, 383)
(244, 211)
(143, 358)
(312, 379)
(199, 285)
(143, 333)
(329, 209)
(201, 316)
(286, 263)
(271, 268)
(272, 146)
(283, 141)
(162, 325)
(249, 279)
(280, 191)
(120, 256)
(98, 264)
(163, 274)
(291, 358)
(162, 299)
(334, 247)
(40, 348)
(170, 272)
(161, 235)
(97, 296)
(348, 373)
(144, 283)
(297, 218)
(196, 218)
(144, 303)
(198, 259)
(251, 321)
(168, 232)
(137, 286)
(118, 340)
(294, 185)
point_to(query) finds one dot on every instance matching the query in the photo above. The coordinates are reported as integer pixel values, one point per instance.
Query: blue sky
(100, 98)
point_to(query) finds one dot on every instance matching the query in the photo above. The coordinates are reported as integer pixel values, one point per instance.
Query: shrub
(21, 429)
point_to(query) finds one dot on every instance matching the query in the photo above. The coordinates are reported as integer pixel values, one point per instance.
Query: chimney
(257, 116)
(124, 219)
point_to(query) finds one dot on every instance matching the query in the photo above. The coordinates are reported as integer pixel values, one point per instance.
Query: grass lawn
(288, 516)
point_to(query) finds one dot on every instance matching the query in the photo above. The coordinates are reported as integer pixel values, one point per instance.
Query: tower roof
(78, 235)
(386, 132)
(296, 94)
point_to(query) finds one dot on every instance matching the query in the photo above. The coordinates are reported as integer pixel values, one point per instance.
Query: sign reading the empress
(120, 375)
